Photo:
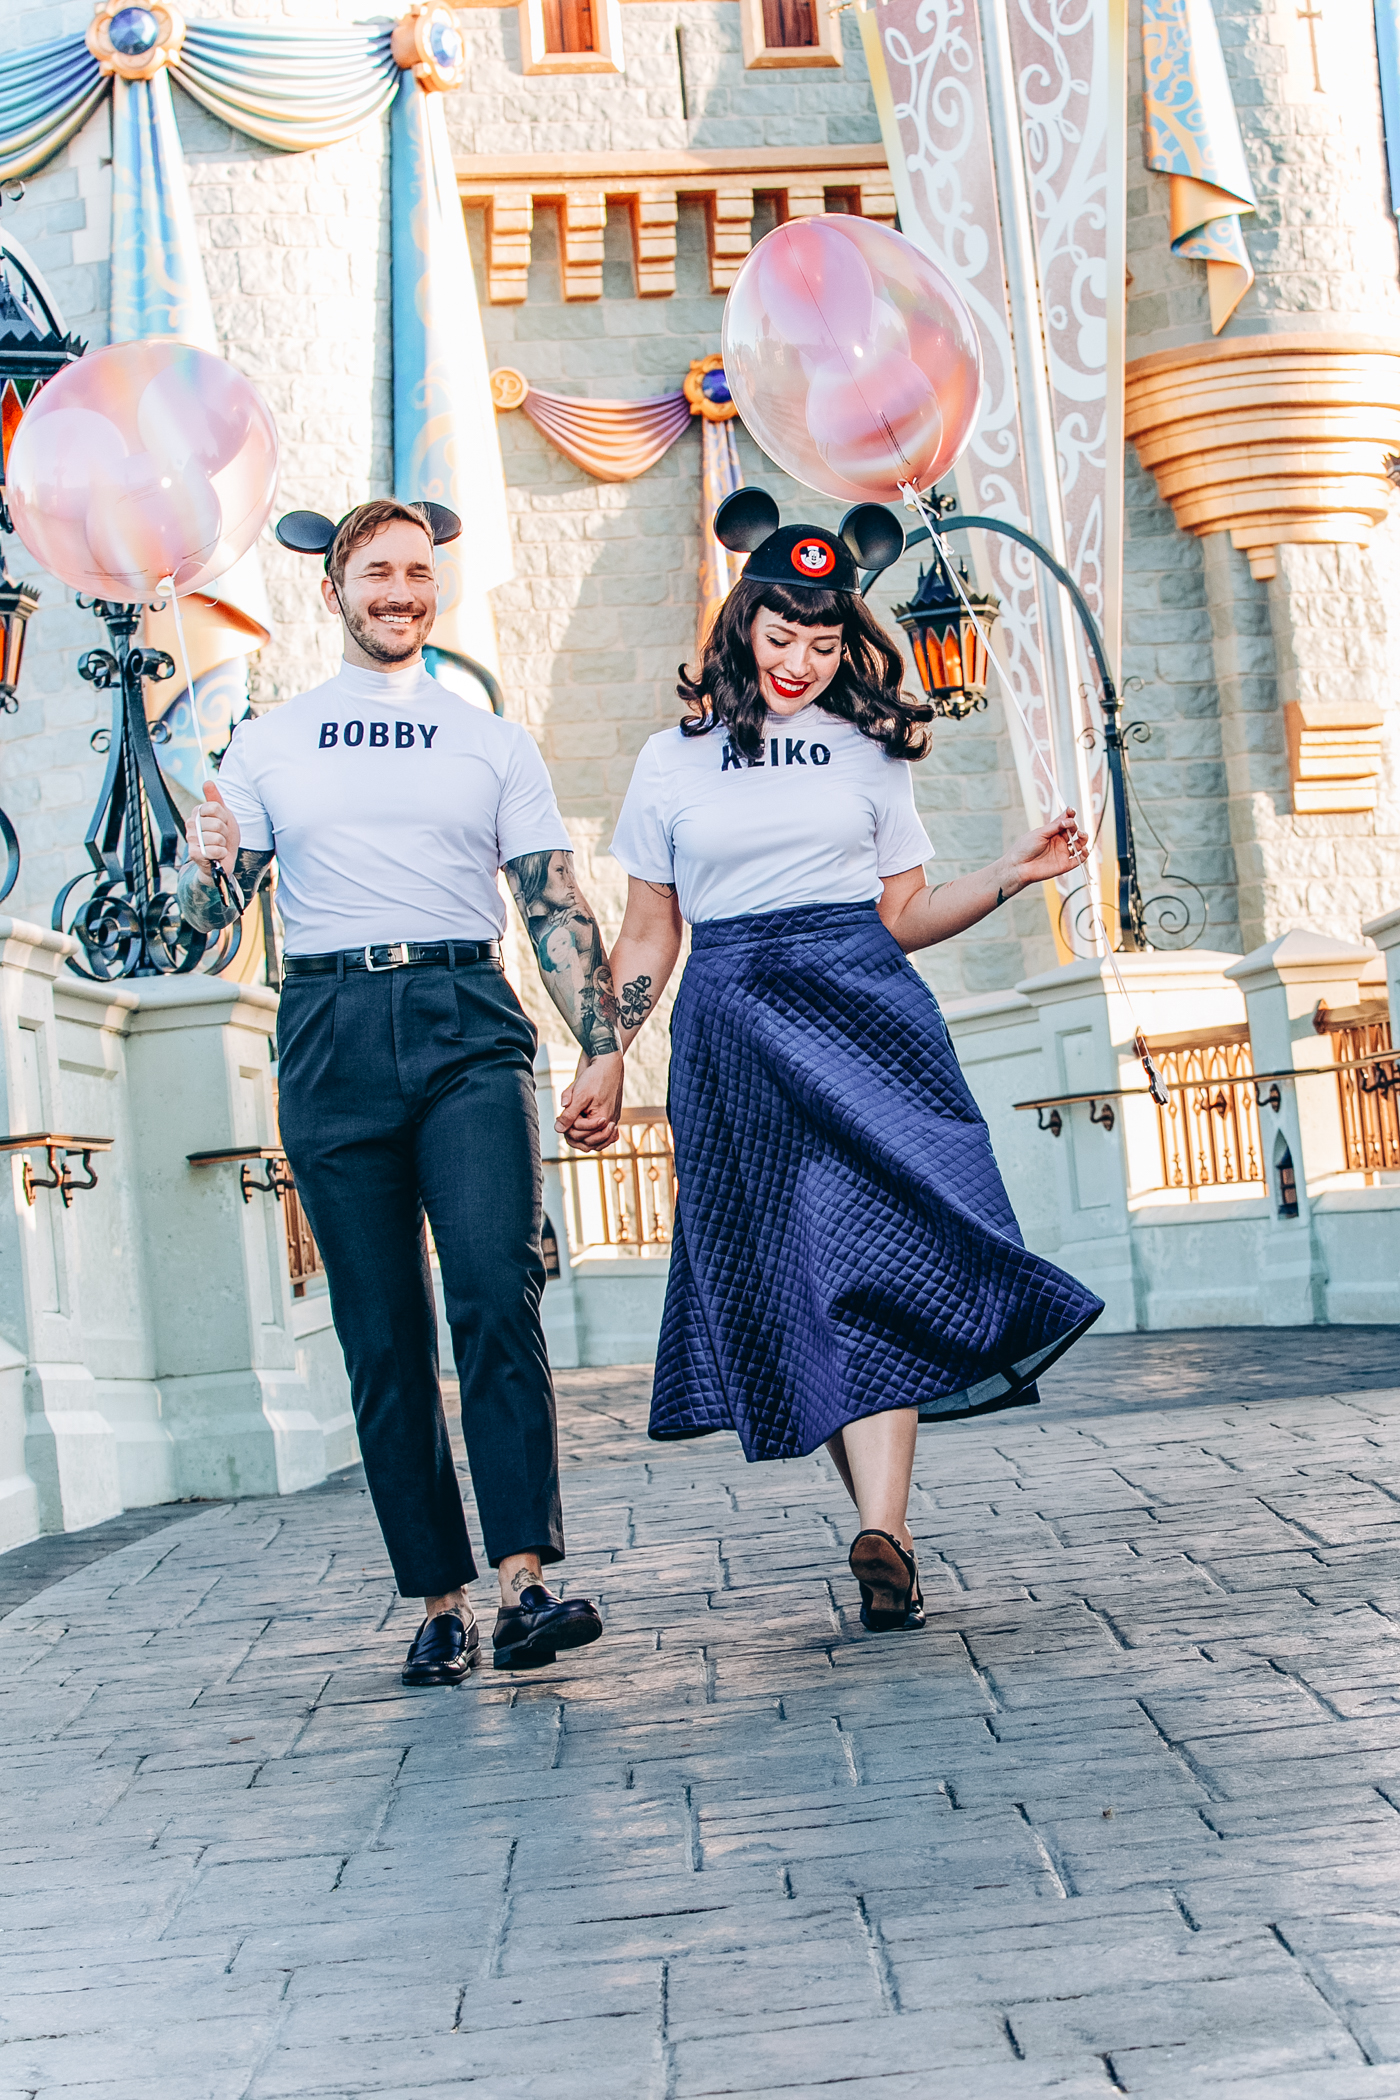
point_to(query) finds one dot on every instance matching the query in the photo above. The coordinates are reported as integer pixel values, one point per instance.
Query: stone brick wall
(639, 111)
(1177, 775)
(1218, 652)
(1323, 242)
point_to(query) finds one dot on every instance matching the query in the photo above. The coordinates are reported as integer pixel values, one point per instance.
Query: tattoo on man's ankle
(522, 1578)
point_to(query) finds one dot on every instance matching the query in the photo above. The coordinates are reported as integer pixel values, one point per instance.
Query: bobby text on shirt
(821, 819)
(391, 804)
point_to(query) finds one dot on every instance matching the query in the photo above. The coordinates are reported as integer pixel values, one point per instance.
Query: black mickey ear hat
(807, 555)
(307, 532)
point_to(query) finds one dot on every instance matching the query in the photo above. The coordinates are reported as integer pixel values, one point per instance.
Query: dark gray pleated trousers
(410, 1092)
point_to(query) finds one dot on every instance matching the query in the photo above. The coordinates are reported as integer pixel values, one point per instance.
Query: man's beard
(371, 643)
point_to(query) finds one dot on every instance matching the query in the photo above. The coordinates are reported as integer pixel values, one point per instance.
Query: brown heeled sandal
(890, 1598)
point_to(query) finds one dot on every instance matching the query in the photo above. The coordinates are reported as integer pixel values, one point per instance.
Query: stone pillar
(232, 1398)
(1108, 1149)
(1282, 983)
(70, 1454)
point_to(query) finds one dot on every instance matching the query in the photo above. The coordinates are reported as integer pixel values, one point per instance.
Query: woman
(845, 1260)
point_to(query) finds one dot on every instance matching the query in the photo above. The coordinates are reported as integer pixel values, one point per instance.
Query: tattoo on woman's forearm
(568, 945)
(635, 1002)
(1001, 898)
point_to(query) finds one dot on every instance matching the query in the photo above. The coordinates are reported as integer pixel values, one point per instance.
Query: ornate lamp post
(939, 638)
(131, 926)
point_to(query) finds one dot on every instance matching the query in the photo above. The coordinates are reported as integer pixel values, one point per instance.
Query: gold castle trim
(1275, 439)
(651, 184)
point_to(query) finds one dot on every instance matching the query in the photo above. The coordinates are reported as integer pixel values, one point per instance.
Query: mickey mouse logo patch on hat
(813, 558)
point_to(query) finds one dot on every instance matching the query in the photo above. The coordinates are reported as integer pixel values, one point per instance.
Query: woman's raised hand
(1039, 856)
(212, 832)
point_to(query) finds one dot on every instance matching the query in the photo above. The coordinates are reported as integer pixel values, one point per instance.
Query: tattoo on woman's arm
(203, 904)
(635, 1002)
(568, 945)
(1001, 897)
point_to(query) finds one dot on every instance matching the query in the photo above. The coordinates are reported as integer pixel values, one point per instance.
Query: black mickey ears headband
(307, 532)
(807, 555)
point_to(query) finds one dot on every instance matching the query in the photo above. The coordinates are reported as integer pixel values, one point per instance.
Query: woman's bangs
(802, 607)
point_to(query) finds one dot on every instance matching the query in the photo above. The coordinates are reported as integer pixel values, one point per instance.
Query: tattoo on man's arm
(203, 904)
(1001, 897)
(568, 945)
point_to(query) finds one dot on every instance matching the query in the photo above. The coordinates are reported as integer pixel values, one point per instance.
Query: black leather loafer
(443, 1650)
(890, 1598)
(531, 1633)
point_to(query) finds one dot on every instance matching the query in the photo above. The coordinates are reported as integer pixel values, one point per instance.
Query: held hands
(589, 1109)
(1041, 855)
(219, 828)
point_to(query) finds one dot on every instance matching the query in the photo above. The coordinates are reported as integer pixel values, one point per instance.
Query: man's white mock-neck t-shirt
(391, 804)
(821, 818)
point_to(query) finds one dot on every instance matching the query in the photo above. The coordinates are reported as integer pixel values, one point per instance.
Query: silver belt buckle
(396, 962)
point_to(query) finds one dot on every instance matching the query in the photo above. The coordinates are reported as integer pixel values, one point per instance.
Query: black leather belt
(391, 955)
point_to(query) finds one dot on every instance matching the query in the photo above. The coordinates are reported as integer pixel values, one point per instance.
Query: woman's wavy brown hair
(865, 692)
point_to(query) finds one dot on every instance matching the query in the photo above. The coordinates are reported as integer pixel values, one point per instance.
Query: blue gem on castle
(445, 44)
(134, 31)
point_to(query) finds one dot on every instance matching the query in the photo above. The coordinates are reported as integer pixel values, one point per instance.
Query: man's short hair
(364, 523)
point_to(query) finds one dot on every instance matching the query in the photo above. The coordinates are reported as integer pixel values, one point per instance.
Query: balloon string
(1097, 924)
(224, 883)
(167, 583)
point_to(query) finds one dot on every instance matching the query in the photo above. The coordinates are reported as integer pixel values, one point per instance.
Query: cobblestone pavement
(1125, 1819)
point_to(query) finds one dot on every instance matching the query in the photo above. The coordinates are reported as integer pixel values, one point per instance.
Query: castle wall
(1323, 245)
(601, 609)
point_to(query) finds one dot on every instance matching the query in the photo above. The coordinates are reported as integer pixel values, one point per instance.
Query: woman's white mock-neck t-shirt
(391, 804)
(822, 818)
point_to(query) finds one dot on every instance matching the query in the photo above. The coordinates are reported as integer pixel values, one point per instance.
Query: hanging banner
(446, 449)
(1004, 125)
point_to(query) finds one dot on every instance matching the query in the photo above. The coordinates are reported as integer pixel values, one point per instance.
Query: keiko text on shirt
(797, 752)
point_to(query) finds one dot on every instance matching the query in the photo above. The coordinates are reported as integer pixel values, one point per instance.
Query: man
(406, 1067)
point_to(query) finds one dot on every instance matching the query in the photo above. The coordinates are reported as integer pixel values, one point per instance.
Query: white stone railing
(1293, 1230)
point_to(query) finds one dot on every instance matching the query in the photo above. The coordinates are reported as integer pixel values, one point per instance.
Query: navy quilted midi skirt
(843, 1241)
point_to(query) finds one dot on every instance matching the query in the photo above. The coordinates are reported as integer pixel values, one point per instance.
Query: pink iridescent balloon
(140, 462)
(854, 362)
